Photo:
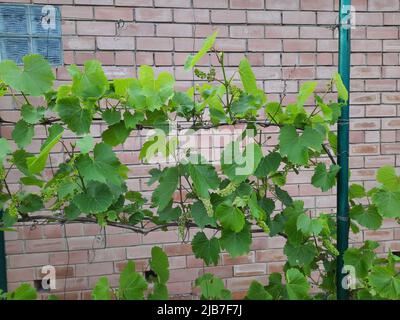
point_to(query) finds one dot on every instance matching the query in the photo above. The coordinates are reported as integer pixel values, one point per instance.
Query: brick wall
(287, 42)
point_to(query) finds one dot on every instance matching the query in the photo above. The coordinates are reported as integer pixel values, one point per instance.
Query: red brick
(382, 33)
(280, 32)
(383, 5)
(379, 161)
(161, 44)
(153, 15)
(174, 30)
(78, 43)
(94, 2)
(74, 12)
(112, 13)
(172, 3)
(95, 28)
(264, 45)
(247, 31)
(253, 269)
(93, 269)
(45, 245)
(210, 3)
(263, 17)
(247, 4)
(299, 17)
(115, 43)
(221, 16)
(294, 45)
(189, 15)
(326, 5)
(282, 4)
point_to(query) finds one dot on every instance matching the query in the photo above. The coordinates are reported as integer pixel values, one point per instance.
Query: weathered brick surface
(288, 42)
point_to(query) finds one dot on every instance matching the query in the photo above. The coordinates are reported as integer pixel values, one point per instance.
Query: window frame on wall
(27, 30)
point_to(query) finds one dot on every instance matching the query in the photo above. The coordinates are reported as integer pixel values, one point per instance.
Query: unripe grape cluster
(208, 205)
(229, 189)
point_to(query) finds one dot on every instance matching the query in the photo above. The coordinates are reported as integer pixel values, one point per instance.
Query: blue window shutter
(14, 48)
(25, 29)
(13, 19)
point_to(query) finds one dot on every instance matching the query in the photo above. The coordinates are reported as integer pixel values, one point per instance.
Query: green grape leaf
(388, 177)
(305, 91)
(297, 286)
(30, 203)
(35, 79)
(72, 211)
(200, 216)
(32, 115)
(192, 60)
(257, 292)
(308, 225)
(387, 202)
(369, 218)
(95, 199)
(131, 284)
(78, 119)
(5, 149)
(24, 292)
(268, 164)
(159, 264)
(324, 179)
(36, 164)
(230, 217)
(162, 195)
(101, 290)
(356, 191)
(341, 88)
(386, 282)
(160, 292)
(206, 249)
(104, 167)
(111, 116)
(296, 147)
(247, 76)
(302, 255)
(132, 120)
(23, 133)
(238, 167)
(85, 144)
(361, 259)
(204, 177)
(212, 288)
(236, 244)
(89, 83)
(283, 196)
(116, 134)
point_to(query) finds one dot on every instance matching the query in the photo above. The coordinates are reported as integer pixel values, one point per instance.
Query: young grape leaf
(162, 195)
(159, 264)
(23, 133)
(101, 290)
(236, 244)
(78, 119)
(36, 164)
(247, 76)
(369, 218)
(206, 249)
(192, 60)
(230, 217)
(324, 179)
(89, 83)
(131, 284)
(388, 177)
(35, 79)
(257, 292)
(95, 199)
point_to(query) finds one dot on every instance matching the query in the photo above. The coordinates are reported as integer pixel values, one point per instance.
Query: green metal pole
(343, 222)
(3, 266)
